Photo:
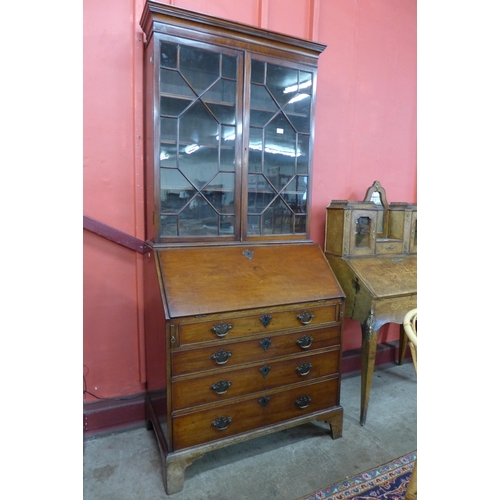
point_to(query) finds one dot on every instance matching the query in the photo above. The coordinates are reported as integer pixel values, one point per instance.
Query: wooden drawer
(229, 354)
(230, 383)
(389, 246)
(194, 330)
(213, 423)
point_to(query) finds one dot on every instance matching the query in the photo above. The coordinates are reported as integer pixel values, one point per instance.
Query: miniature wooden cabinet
(371, 227)
(371, 246)
(243, 314)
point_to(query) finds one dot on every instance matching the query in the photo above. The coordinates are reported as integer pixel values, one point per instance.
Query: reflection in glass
(255, 150)
(277, 219)
(168, 55)
(260, 193)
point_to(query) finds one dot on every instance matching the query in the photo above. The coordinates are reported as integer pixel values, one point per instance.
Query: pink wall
(365, 131)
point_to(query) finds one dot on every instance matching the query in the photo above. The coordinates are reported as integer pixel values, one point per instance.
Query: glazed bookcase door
(279, 145)
(199, 109)
(229, 133)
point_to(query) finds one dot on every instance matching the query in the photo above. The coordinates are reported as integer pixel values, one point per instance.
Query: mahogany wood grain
(248, 378)
(196, 427)
(197, 360)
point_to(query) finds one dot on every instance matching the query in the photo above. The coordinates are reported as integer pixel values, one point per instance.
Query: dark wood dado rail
(114, 235)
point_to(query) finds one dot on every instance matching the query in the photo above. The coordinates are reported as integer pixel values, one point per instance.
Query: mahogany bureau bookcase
(372, 248)
(243, 314)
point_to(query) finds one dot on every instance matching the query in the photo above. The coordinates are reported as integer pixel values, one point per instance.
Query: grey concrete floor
(283, 466)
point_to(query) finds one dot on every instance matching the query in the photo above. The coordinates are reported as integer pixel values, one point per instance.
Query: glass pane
(277, 219)
(168, 55)
(258, 71)
(305, 84)
(279, 152)
(168, 225)
(220, 193)
(198, 219)
(171, 82)
(300, 224)
(255, 150)
(198, 127)
(199, 67)
(282, 82)
(295, 194)
(172, 106)
(229, 66)
(224, 91)
(260, 193)
(302, 154)
(175, 190)
(227, 148)
(168, 129)
(362, 232)
(253, 225)
(199, 166)
(223, 113)
(227, 224)
(262, 106)
(168, 155)
(298, 110)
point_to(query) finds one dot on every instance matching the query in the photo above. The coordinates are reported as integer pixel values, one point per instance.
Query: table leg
(368, 352)
(403, 344)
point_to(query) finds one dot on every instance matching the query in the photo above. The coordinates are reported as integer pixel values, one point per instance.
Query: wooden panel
(196, 428)
(248, 379)
(196, 360)
(195, 331)
(197, 280)
(386, 246)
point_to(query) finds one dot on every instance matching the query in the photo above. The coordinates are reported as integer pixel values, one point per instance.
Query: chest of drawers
(240, 342)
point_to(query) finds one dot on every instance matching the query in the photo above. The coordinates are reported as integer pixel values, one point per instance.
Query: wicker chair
(410, 328)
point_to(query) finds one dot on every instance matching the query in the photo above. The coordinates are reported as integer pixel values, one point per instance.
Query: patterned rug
(386, 482)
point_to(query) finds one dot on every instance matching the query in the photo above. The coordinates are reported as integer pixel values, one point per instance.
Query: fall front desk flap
(387, 276)
(205, 280)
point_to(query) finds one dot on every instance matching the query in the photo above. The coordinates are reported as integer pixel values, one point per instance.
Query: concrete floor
(283, 466)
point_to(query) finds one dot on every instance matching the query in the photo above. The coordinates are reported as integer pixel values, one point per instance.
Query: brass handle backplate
(221, 356)
(221, 387)
(305, 341)
(304, 368)
(222, 423)
(306, 317)
(221, 329)
(303, 402)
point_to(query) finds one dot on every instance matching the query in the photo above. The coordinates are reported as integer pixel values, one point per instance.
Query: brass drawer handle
(221, 357)
(306, 317)
(304, 368)
(221, 387)
(221, 329)
(303, 402)
(222, 423)
(305, 341)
